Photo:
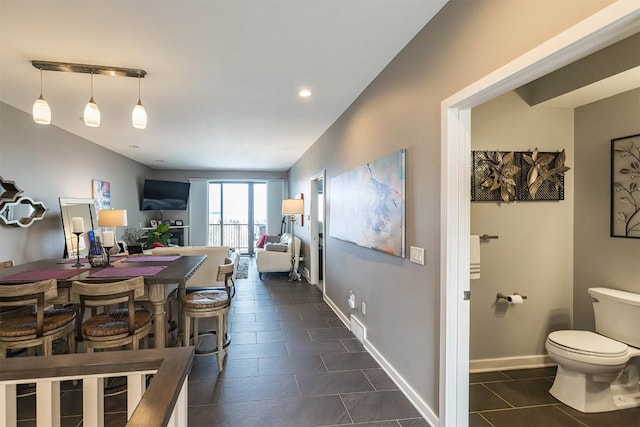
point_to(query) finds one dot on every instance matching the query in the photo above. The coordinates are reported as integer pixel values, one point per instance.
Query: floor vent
(357, 328)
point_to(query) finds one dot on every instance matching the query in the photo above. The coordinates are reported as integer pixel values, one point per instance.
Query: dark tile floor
(521, 398)
(293, 363)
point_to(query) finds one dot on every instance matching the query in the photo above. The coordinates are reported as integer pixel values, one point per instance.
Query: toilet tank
(617, 314)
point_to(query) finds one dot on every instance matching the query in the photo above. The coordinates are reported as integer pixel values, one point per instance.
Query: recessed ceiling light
(304, 93)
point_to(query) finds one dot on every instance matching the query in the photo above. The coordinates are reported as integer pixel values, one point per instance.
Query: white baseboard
(510, 363)
(337, 311)
(422, 407)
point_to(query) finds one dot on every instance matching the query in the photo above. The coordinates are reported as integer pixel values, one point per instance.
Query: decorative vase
(97, 255)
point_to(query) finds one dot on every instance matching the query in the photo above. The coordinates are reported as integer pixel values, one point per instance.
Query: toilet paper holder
(507, 298)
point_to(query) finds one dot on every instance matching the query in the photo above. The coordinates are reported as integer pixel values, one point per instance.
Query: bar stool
(38, 328)
(206, 303)
(115, 327)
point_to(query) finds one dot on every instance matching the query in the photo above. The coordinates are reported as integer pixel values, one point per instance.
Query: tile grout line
(560, 408)
(499, 397)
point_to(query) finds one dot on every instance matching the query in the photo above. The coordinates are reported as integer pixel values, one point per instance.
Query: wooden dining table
(162, 274)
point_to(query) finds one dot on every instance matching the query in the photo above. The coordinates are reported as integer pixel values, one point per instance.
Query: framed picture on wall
(625, 187)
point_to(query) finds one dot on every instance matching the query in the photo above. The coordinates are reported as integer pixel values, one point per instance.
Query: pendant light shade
(139, 114)
(41, 111)
(91, 111)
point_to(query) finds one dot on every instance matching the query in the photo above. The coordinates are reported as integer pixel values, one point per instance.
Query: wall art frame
(625, 187)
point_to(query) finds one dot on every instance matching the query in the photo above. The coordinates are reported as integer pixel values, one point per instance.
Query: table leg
(159, 325)
(157, 297)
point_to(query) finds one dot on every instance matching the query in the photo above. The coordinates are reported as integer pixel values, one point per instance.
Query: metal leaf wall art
(625, 180)
(517, 175)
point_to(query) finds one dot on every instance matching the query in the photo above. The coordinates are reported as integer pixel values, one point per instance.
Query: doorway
(600, 30)
(237, 214)
(317, 230)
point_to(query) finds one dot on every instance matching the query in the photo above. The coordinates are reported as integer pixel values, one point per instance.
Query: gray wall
(534, 252)
(601, 260)
(401, 108)
(47, 162)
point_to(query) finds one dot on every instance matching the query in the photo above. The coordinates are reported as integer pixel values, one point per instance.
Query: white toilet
(600, 371)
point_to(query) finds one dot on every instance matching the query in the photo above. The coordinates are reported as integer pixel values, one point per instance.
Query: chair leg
(187, 331)
(220, 341)
(47, 346)
(195, 331)
(71, 342)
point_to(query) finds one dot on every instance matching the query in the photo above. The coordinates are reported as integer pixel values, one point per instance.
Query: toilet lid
(586, 342)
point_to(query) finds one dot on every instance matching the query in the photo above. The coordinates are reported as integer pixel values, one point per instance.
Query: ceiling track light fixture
(42, 112)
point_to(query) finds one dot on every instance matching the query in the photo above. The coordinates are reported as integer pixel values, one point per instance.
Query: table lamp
(293, 207)
(111, 218)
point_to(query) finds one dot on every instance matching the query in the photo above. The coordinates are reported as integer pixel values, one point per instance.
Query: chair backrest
(105, 294)
(28, 293)
(6, 264)
(36, 293)
(225, 273)
(100, 294)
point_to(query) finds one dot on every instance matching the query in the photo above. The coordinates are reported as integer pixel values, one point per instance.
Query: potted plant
(158, 236)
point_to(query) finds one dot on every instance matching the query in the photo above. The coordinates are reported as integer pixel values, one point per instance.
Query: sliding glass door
(237, 214)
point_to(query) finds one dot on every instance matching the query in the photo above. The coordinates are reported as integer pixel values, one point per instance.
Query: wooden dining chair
(116, 326)
(208, 303)
(40, 327)
(6, 264)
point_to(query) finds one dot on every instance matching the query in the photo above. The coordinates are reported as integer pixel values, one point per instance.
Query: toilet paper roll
(515, 299)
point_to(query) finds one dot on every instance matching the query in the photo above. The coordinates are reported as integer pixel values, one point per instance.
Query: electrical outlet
(364, 309)
(416, 255)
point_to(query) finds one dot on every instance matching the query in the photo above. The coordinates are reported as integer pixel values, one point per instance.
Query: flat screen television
(164, 195)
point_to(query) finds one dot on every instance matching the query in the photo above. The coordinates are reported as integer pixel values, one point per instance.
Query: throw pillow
(263, 239)
(276, 247)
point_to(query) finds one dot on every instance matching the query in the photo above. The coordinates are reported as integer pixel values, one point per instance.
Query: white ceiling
(223, 76)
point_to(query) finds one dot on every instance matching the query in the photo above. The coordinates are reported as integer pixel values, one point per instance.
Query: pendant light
(91, 111)
(41, 111)
(139, 114)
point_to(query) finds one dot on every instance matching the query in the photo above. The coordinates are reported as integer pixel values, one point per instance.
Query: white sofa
(278, 262)
(205, 276)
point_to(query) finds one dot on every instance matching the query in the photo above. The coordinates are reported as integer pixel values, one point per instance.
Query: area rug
(243, 268)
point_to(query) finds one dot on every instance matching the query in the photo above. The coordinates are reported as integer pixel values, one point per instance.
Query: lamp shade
(292, 207)
(139, 116)
(112, 218)
(41, 111)
(92, 114)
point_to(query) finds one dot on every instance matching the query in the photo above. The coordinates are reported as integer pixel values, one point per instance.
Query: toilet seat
(588, 344)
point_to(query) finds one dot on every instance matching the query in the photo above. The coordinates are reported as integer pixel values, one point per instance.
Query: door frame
(314, 252)
(613, 23)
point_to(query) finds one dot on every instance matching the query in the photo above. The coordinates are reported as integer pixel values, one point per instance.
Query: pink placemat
(156, 258)
(60, 274)
(73, 261)
(128, 271)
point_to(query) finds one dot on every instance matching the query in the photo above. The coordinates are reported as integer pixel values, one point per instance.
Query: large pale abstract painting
(368, 204)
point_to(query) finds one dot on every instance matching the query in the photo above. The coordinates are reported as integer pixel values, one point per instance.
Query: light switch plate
(416, 255)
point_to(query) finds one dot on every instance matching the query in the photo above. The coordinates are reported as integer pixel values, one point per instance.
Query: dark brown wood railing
(172, 366)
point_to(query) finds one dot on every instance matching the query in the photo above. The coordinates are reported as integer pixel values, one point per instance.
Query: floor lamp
(293, 207)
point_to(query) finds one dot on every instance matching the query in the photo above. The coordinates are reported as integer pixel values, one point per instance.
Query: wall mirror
(9, 191)
(71, 208)
(17, 210)
(22, 213)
